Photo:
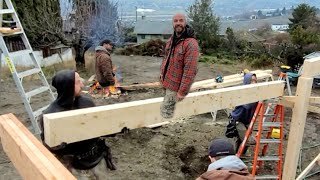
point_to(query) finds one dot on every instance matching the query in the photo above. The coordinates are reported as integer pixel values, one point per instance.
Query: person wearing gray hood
(241, 116)
(103, 65)
(224, 164)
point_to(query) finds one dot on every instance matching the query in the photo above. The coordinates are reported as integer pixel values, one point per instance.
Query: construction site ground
(174, 151)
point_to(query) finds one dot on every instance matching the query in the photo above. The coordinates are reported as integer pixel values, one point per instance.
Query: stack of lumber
(231, 80)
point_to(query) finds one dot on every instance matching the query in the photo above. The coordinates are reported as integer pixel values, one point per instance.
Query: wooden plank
(158, 124)
(29, 156)
(314, 109)
(103, 120)
(314, 100)
(231, 82)
(155, 85)
(308, 168)
(299, 114)
(311, 67)
(198, 85)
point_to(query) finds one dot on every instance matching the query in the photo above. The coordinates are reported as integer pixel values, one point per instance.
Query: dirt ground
(174, 151)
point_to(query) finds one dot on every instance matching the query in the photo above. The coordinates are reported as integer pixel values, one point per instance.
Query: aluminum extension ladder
(284, 77)
(18, 76)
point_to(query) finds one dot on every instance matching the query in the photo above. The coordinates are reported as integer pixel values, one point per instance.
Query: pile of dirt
(150, 48)
(174, 151)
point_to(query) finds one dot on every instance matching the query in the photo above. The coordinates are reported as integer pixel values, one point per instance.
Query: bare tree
(95, 20)
(91, 21)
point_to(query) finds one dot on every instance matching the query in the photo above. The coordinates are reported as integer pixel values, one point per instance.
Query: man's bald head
(179, 15)
(179, 23)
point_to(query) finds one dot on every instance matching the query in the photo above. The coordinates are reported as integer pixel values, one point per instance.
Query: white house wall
(25, 61)
(279, 27)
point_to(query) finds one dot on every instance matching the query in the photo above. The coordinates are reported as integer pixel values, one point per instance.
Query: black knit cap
(221, 147)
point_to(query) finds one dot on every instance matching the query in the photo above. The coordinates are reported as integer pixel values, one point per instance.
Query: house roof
(245, 25)
(153, 27)
(165, 27)
(312, 55)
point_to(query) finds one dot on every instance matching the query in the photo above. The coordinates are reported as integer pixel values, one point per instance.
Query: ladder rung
(268, 158)
(269, 141)
(28, 72)
(21, 53)
(271, 124)
(38, 112)
(37, 91)
(267, 177)
(4, 21)
(6, 11)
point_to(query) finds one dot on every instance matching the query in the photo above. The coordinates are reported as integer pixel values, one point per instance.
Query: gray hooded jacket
(228, 163)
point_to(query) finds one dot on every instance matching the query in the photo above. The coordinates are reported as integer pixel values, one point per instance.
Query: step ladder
(273, 119)
(284, 77)
(18, 76)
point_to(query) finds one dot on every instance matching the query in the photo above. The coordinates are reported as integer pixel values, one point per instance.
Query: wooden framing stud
(28, 155)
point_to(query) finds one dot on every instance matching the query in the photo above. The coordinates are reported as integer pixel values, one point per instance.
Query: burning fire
(95, 88)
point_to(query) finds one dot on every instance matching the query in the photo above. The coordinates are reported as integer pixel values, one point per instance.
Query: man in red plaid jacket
(179, 66)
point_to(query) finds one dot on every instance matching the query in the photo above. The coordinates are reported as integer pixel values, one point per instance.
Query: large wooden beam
(311, 67)
(299, 115)
(77, 125)
(28, 155)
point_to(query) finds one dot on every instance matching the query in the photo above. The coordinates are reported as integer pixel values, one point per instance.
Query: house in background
(280, 27)
(147, 30)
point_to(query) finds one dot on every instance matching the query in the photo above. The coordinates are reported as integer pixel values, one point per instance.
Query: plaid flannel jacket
(182, 68)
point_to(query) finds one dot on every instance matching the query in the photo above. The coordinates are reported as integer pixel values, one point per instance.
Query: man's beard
(180, 32)
(110, 50)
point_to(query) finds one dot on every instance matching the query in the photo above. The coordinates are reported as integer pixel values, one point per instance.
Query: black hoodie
(64, 82)
(187, 33)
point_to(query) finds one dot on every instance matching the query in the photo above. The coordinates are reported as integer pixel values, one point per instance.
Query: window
(143, 36)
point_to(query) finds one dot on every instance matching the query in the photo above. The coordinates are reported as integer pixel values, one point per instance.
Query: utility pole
(136, 13)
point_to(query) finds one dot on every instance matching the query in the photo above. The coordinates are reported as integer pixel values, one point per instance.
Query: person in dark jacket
(84, 158)
(103, 65)
(241, 116)
(224, 164)
(179, 66)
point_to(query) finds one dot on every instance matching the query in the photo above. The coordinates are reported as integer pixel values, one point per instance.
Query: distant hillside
(221, 7)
